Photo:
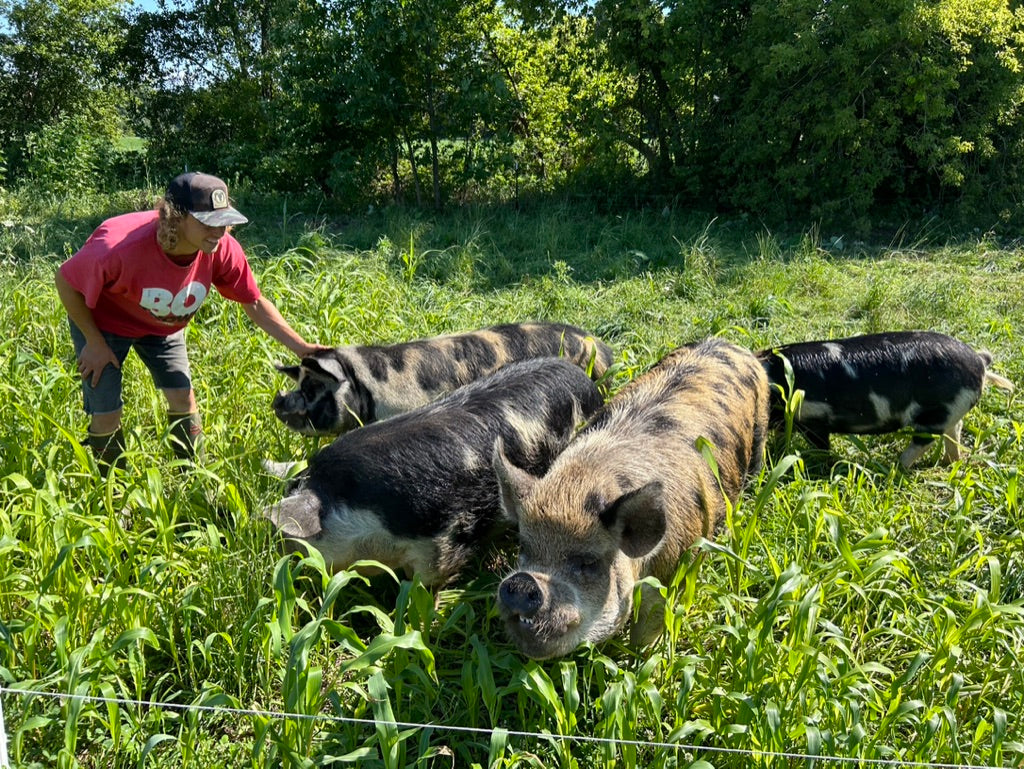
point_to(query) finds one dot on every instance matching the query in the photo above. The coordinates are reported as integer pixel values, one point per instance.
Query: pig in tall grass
(628, 496)
(416, 492)
(880, 383)
(344, 387)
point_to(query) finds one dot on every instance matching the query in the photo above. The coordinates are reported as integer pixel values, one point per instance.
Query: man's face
(193, 235)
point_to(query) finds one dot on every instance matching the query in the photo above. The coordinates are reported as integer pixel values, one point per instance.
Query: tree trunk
(415, 171)
(396, 181)
(435, 169)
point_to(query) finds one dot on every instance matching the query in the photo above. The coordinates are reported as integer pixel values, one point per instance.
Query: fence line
(583, 739)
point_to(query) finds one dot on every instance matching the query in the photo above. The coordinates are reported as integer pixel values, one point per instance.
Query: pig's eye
(585, 566)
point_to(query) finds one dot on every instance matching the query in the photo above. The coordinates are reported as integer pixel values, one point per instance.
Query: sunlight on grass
(862, 612)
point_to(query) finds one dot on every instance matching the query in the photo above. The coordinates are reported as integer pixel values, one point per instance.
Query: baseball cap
(205, 197)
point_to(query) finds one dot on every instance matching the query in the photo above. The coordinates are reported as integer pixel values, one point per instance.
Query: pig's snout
(520, 594)
(287, 403)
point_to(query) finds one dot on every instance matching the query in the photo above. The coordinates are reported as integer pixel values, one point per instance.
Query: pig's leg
(951, 441)
(918, 445)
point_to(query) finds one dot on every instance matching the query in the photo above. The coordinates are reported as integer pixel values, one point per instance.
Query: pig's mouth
(291, 410)
(547, 634)
(299, 423)
(298, 414)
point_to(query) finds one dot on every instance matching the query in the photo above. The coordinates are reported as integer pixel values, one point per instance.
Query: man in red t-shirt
(137, 282)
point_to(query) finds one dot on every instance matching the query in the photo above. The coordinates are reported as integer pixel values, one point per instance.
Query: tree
(212, 70)
(831, 109)
(395, 89)
(60, 104)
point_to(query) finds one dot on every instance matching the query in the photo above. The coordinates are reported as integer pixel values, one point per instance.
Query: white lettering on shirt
(165, 305)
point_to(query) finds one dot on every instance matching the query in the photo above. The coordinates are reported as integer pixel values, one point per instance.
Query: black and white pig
(346, 387)
(630, 493)
(416, 492)
(879, 383)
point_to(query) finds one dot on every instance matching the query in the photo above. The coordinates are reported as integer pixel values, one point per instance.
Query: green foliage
(838, 108)
(856, 114)
(185, 136)
(416, 103)
(64, 157)
(864, 613)
(57, 90)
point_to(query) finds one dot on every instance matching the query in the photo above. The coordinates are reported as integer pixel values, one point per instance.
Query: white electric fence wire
(475, 730)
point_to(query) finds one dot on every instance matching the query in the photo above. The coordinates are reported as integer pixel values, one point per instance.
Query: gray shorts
(164, 356)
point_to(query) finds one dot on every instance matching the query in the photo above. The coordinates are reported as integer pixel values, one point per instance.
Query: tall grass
(864, 613)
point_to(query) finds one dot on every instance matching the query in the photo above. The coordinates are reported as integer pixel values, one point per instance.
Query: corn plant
(864, 614)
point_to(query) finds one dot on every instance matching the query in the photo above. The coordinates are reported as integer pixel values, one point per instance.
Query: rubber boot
(186, 435)
(186, 432)
(108, 448)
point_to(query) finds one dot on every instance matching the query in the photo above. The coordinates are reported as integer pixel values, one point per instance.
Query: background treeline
(826, 110)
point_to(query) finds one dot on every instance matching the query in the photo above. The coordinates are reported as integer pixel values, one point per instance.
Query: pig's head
(580, 533)
(327, 399)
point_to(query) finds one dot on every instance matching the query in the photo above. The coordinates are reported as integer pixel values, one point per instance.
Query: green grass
(868, 614)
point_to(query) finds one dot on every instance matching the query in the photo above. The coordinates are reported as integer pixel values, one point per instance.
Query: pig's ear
(325, 368)
(514, 483)
(289, 371)
(638, 518)
(297, 516)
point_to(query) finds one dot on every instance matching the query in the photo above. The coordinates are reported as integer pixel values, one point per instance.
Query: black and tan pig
(629, 494)
(879, 383)
(417, 492)
(344, 387)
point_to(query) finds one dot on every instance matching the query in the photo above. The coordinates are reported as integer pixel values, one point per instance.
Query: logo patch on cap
(205, 197)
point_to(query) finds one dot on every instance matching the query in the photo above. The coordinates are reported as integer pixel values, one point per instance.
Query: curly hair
(167, 229)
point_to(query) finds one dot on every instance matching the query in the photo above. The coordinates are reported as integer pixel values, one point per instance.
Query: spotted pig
(880, 383)
(345, 387)
(630, 493)
(416, 492)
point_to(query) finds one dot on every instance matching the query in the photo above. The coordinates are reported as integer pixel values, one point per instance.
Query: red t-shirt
(134, 289)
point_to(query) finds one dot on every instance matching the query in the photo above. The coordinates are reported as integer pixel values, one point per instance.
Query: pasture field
(860, 613)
